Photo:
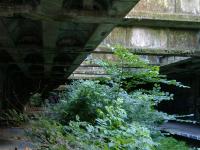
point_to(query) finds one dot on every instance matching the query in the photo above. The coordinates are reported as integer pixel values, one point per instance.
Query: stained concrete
(169, 6)
(188, 6)
(154, 38)
(146, 37)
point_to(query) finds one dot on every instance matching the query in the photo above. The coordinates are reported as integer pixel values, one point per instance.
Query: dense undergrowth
(104, 115)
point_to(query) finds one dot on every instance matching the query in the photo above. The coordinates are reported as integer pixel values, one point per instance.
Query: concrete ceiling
(50, 38)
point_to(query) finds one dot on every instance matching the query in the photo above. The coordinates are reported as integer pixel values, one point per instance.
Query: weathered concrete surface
(151, 41)
(138, 37)
(165, 13)
(153, 38)
(46, 33)
(164, 20)
(41, 39)
(169, 6)
(156, 41)
(188, 6)
(152, 28)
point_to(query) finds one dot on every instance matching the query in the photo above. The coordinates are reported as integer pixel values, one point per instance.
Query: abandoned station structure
(44, 42)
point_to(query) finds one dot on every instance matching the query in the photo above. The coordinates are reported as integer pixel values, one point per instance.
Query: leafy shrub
(95, 115)
(36, 100)
(110, 131)
(13, 118)
(132, 70)
(140, 106)
(84, 98)
(48, 134)
(171, 144)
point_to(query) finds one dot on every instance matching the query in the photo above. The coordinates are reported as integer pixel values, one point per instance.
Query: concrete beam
(50, 35)
(50, 31)
(164, 20)
(159, 52)
(119, 9)
(155, 41)
(99, 34)
(169, 6)
(135, 18)
(103, 50)
(63, 65)
(162, 13)
(85, 76)
(146, 19)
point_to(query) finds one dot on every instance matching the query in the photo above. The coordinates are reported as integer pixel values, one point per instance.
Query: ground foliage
(11, 117)
(36, 100)
(171, 144)
(102, 114)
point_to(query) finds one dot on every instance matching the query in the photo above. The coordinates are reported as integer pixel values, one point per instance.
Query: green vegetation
(171, 144)
(13, 118)
(104, 114)
(36, 100)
